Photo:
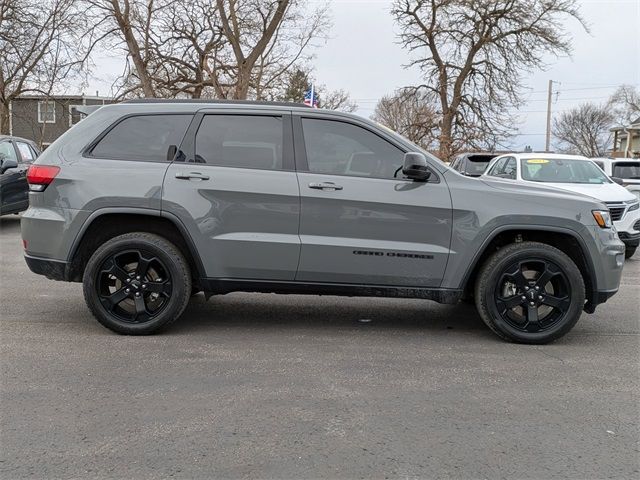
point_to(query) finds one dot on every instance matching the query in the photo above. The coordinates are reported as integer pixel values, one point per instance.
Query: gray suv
(148, 202)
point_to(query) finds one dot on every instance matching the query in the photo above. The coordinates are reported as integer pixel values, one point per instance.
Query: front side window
(340, 148)
(26, 152)
(626, 170)
(142, 137)
(243, 141)
(7, 152)
(46, 112)
(498, 166)
(561, 170)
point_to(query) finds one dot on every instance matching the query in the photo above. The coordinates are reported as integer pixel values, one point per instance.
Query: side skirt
(221, 286)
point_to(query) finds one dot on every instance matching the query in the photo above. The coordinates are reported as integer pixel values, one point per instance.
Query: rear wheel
(629, 251)
(137, 283)
(530, 292)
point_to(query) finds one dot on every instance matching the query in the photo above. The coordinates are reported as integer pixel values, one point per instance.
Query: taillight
(39, 176)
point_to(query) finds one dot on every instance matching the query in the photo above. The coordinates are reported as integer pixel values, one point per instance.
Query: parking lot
(253, 385)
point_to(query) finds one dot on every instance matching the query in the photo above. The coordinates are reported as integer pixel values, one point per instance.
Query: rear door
(361, 222)
(234, 187)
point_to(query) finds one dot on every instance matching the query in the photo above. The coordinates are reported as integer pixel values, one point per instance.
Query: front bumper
(52, 269)
(630, 239)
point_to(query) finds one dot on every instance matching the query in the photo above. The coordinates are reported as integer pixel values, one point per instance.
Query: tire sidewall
(178, 287)
(576, 291)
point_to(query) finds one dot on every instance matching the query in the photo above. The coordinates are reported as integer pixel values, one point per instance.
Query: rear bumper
(52, 269)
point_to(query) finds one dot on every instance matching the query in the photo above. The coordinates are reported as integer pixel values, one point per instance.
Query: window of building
(340, 148)
(46, 111)
(243, 141)
(143, 138)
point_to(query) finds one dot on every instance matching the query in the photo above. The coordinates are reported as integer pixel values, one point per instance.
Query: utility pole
(548, 141)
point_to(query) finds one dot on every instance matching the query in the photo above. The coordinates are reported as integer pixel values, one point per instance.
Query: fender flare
(542, 228)
(140, 211)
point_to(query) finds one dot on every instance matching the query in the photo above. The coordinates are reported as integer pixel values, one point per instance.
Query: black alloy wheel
(137, 283)
(134, 285)
(530, 292)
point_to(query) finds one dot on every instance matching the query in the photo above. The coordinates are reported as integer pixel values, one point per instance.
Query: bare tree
(412, 113)
(625, 104)
(42, 44)
(584, 130)
(473, 54)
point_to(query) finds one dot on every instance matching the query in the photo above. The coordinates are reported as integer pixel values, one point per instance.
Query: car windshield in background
(477, 164)
(626, 170)
(560, 170)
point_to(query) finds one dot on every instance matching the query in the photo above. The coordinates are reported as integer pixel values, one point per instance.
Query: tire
(629, 251)
(530, 292)
(137, 283)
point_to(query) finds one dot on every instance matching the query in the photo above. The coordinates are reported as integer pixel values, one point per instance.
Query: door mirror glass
(7, 163)
(415, 166)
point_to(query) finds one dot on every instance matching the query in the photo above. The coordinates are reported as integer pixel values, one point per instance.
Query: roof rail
(216, 101)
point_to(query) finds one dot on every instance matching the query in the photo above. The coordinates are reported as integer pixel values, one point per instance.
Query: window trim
(302, 164)
(40, 103)
(87, 152)
(189, 144)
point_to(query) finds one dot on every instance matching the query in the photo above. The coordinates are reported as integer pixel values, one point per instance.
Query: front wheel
(629, 251)
(137, 283)
(530, 292)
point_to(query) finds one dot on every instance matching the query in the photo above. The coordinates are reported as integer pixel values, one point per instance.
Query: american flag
(311, 97)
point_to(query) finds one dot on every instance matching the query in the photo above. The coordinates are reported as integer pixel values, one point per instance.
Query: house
(44, 118)
(626, 141)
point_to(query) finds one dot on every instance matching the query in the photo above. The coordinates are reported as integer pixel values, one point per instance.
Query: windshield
(626, 170)
(561, 170)
(477, 166)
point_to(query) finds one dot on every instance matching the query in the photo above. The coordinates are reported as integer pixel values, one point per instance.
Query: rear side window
(26, 152)
(142, 137)
(626, 170)
(244, 141)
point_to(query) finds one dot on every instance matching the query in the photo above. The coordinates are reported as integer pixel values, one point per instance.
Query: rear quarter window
(142, 137)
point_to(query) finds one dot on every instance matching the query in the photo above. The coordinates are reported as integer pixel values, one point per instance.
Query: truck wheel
(137, 283)
(629, 251)
(530, 292)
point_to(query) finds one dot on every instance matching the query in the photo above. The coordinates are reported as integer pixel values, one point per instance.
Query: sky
(363, 57)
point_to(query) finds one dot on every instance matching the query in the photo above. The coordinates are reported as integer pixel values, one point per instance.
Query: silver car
(147, 202)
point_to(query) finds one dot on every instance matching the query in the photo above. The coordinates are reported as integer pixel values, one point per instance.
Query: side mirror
(415, 167)
(617, 180)
(8, 163)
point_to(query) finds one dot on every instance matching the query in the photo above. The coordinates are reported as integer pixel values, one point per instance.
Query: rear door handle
(325, 186)
(191, 175)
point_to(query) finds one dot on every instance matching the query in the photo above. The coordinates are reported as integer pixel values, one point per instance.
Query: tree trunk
(445, 150)
(4, 118)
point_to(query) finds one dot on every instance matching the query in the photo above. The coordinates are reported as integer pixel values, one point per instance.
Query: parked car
(16, 154)
(146, 202)
(625, 169)
(472, 164)
(576, 174)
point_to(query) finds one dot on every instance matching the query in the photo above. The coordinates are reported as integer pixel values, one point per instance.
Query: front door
(361, 222)
(234, 187)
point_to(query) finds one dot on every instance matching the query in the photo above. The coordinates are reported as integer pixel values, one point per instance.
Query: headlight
(603, 218)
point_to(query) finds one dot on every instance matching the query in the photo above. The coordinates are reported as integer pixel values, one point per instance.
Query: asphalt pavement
(267, 386)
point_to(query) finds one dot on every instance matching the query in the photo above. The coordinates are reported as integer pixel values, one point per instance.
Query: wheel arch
(564, 239)
(108, 223)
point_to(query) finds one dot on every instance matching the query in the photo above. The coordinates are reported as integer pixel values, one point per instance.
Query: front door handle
(191, 175)
(325, 186)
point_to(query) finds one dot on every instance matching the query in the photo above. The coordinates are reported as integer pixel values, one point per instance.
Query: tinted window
(144, 137)
(7, 151)
(240, 141)
(339, 148)
(626, 170)
(26, 152)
